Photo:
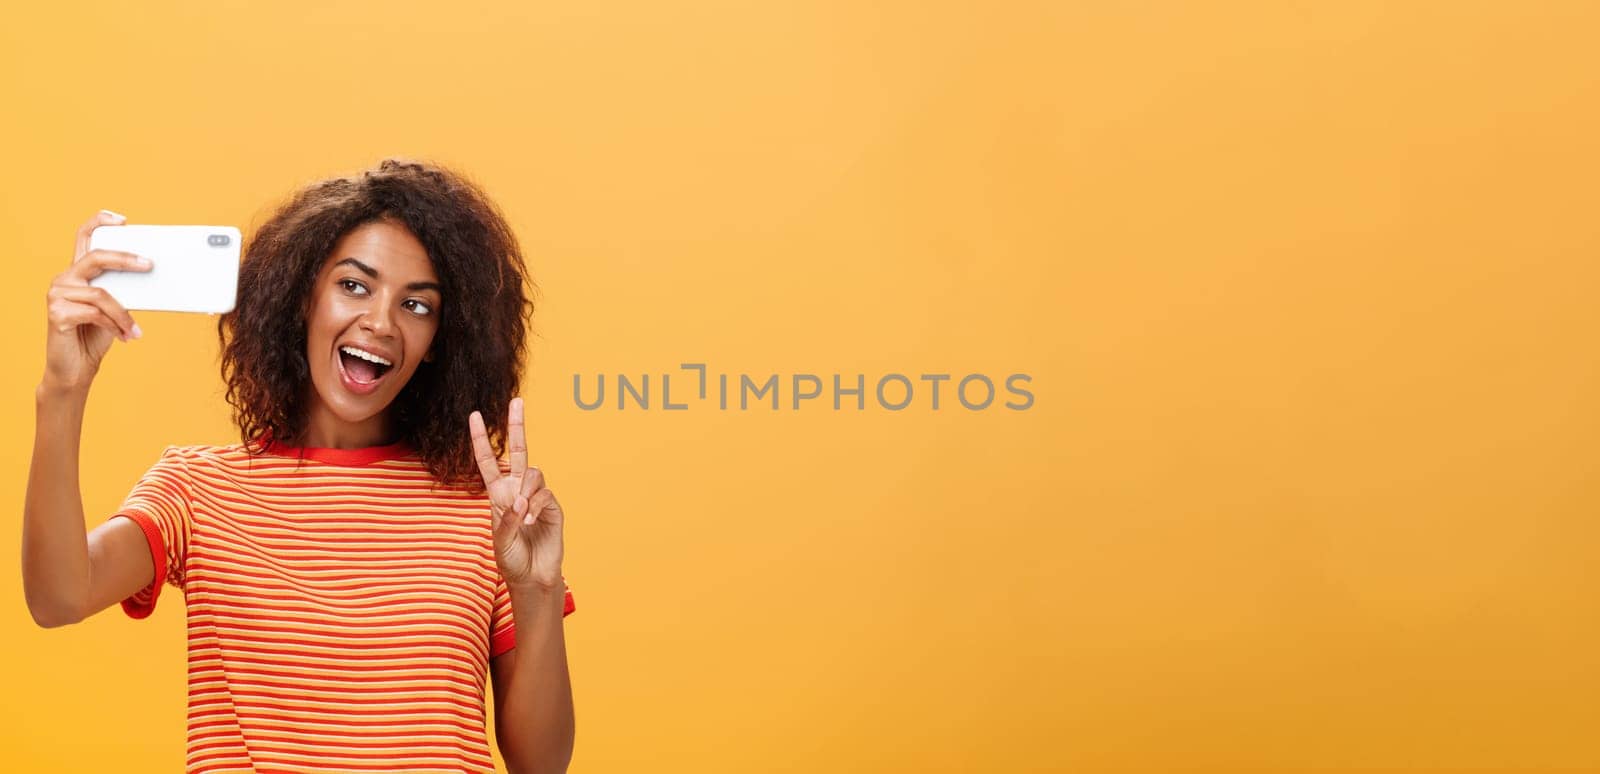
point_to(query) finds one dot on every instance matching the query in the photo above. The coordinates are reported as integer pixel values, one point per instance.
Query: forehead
(386, 246)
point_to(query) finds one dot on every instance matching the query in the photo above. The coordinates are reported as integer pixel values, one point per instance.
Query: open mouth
(363, 371)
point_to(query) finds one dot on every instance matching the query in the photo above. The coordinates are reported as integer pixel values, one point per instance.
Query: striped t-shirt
(342, 609)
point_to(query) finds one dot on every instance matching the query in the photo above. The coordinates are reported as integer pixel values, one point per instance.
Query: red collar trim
(362, 456)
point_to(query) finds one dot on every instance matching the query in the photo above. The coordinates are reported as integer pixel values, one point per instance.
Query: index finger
(488, 466)
(101, 218)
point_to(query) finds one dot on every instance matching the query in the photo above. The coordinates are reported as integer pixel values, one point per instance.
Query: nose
(377, 320)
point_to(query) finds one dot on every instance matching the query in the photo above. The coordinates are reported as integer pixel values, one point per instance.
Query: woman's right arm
(68, 575)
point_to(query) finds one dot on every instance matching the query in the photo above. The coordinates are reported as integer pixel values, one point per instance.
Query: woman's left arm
(532, 688)
(533, 718)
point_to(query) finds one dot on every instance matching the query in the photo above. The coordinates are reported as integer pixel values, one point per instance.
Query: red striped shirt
(342, 607)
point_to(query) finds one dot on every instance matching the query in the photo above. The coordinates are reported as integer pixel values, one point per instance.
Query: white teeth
(364, 355)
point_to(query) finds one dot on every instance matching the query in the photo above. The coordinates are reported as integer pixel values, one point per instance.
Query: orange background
(1306, 293)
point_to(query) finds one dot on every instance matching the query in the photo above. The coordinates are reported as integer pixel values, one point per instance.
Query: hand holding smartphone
(116, 267)
(193, 268)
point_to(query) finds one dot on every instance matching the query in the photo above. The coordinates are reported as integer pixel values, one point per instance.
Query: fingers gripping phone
(193, 268)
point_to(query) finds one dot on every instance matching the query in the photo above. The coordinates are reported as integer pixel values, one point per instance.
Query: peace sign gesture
(524, 513)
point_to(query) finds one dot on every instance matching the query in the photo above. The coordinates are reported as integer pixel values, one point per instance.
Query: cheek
(321, 317)
(315, 333)
(420, 336)
(332, 316)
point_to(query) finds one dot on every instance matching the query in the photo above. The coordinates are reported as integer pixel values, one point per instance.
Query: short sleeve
(502, 629)
(160, 504)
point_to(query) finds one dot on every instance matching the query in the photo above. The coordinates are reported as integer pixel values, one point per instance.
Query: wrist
(53, 398)
(52, 391)
(533, 588)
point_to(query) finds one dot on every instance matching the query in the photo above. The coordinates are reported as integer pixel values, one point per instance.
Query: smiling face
(371, 318)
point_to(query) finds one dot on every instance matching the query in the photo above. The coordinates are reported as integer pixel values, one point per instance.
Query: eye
(421, 307)
(353, 286)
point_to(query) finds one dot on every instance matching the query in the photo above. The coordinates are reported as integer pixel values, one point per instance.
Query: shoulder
(204, 453)
(199, 459)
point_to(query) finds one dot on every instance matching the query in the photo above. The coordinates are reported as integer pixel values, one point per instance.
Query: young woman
(355, 566)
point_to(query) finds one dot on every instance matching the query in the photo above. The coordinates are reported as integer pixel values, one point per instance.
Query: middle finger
(97, 262)
(517, 441)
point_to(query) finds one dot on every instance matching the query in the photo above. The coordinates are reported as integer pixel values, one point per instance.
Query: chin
(357, 414)
(348, 407)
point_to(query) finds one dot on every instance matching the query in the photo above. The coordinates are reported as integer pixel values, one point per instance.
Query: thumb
(506, 521)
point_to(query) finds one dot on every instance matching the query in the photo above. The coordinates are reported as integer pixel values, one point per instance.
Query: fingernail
(145, 262)
(136, 332)
(118, 216)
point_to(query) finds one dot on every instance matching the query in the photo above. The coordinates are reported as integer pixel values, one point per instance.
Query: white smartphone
(193, 268)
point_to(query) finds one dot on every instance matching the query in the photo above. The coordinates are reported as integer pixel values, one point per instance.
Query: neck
(324, 430)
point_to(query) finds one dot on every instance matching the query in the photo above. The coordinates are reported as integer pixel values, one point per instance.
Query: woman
(346, 587)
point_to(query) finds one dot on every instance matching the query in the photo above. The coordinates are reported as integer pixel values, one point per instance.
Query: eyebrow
(373, 273)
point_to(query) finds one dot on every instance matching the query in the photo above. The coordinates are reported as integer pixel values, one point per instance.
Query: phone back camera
(218, 240)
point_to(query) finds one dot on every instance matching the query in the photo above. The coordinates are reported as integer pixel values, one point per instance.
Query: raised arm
(68, 574)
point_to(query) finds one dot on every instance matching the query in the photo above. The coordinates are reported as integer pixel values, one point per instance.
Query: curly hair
(478, 349)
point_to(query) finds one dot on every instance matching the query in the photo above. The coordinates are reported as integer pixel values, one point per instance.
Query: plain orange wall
(1306, 292)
